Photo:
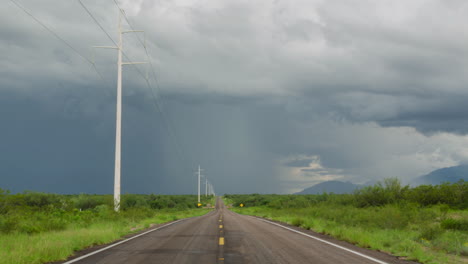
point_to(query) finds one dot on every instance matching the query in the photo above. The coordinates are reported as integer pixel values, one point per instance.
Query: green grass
(43, 227)
(427, 223)
(20, 247)
(403, 230)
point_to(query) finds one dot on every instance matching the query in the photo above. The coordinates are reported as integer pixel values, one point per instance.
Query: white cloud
(297, 178)
(368, 152)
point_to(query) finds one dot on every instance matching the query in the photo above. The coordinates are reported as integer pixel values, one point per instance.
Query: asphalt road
(222, 236)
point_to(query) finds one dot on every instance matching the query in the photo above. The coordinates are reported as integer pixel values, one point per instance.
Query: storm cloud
(267, 96)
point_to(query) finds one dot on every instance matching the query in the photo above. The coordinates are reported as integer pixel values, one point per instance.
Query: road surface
(222, 236)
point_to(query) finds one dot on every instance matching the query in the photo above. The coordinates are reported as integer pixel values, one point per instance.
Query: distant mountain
(337, 187)
(450, 174)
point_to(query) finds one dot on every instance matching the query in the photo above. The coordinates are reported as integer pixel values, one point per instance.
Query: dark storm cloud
(253, 91)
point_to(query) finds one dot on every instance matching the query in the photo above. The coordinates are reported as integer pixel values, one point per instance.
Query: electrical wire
(95, 21)
(156, 102)
(158, 105)
(153, 72)
(59, 38)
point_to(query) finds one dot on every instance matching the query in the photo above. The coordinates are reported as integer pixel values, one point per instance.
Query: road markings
(324, 241)
(221, 239)
(121, 242)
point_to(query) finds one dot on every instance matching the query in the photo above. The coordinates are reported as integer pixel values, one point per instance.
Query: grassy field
(40, 227)
(422, 231)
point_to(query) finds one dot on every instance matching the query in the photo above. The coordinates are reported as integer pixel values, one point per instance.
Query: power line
(95, 21)
(141, 42)
(59, 38)
(105, 32)
(169, 124)
(145, 48)
(155, 100)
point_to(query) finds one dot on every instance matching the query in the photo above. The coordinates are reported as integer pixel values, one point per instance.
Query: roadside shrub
(3, 201)
(455, 224)
(85, 202)
(297, 222)
(135, 214)
(390, 191)
(181, 206)
(393, 217)
(37, 199)
(7, 224)
(133, 201)
(430, 232)
(159, 202)
(83, 218)
(34, 212)
(454, 195)
(105, 211)
(309, 224)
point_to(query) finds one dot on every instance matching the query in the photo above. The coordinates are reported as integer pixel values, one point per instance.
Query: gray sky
(267, 96)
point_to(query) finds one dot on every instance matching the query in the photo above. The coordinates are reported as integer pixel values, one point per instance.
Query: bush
(455, 224)
(37, 199)
(388, 192)
(86, 201)
(133, 201)
(430, 232)
(297, 222)
(8, 224)
(34, 212)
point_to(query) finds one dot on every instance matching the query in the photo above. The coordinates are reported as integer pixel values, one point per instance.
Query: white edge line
(128, 239)
(121, 242)
(324, 241)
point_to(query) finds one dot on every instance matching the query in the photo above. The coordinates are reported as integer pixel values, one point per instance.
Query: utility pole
(206, 186)
(118, 123)
(199, 176)
(198, 183)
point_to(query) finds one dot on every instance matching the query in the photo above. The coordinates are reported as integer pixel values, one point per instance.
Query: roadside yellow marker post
(241, 205)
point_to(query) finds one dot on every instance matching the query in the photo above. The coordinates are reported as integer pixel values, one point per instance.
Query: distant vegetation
(426, 223)
(40, 227)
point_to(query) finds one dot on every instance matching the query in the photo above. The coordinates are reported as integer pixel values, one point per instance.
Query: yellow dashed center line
(221, 240)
